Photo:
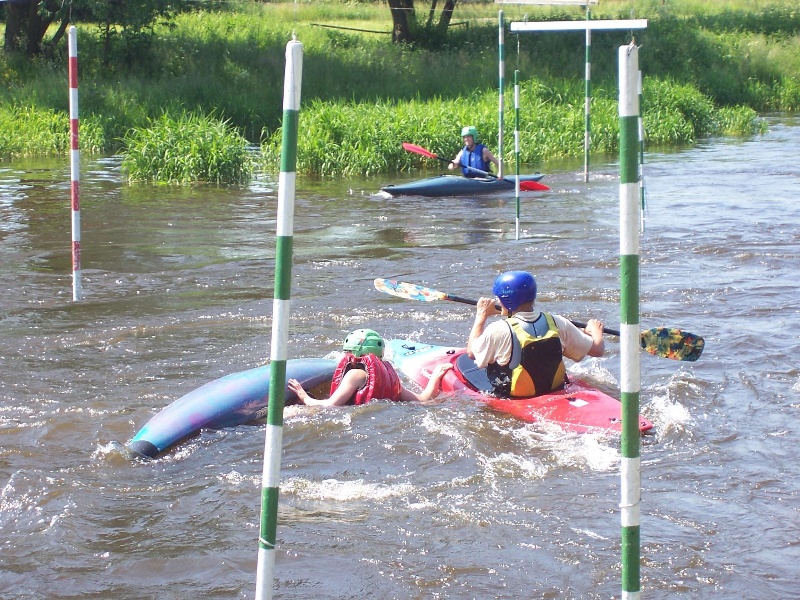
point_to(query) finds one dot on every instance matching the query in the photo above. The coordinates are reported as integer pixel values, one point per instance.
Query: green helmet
(470, 130)
(364, 341)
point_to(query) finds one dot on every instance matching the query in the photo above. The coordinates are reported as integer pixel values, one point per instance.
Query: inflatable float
(236, 399)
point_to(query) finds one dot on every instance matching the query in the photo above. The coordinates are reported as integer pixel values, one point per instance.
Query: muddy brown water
(446, 500)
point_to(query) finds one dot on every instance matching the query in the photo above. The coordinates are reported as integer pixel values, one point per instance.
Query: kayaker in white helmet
(523, 354)
(362, 375)
(474, 155)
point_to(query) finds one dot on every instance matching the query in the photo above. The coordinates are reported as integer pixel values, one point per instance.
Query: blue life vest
(475, 160)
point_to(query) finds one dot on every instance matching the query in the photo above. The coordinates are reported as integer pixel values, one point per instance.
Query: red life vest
(382, 380)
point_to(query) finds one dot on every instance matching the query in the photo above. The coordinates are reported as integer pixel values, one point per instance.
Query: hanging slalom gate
(588, 25)
(631, 205)
(280, 321)
(630, 366)
(75, 163)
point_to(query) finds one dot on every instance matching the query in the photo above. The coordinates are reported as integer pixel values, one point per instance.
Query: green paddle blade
(672, 343)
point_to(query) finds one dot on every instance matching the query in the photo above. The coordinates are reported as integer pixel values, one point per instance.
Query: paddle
(665, 342)
(527, 186)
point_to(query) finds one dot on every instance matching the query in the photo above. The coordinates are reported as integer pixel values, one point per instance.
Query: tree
(407, 29)
(27, 21)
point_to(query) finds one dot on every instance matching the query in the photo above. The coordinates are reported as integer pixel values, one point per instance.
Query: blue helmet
(514, 288)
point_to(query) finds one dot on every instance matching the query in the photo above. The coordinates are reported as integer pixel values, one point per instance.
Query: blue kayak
(456, 185)
(229, 401)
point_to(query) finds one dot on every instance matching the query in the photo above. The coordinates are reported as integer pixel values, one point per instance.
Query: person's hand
(486, 308)
(297, 388)
(594, 328)
(440, 369)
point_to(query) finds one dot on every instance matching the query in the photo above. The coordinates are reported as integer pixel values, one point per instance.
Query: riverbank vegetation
(187, 148)
(709, 68)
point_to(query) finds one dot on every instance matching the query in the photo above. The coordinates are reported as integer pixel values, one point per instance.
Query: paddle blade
(533, 186)
(672, 343)
(418, 150)
(408, 290)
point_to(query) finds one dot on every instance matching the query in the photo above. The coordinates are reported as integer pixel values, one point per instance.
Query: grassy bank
(366, 137)
(229, 63)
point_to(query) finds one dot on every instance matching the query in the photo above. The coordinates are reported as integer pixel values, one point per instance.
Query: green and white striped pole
(280, 321)
(641, 152)
(516, 140)
(629, 317)
(587, 109)
(502, 84)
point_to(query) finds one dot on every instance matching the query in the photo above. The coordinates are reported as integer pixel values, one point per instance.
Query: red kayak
(578, 408)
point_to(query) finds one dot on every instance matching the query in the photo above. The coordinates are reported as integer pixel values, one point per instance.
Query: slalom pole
(587, 109)
(629, 315)
(516, 140)
(502, 85)
(74, 163)
(641, 153)
(280, 321)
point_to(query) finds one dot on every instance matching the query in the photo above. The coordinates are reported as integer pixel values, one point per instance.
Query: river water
(447, 500)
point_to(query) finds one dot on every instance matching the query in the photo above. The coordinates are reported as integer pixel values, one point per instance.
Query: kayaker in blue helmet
(362, 375)
(474, 155)
(523, 353)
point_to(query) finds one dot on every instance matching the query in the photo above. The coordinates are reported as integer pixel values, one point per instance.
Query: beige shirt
(494, 344)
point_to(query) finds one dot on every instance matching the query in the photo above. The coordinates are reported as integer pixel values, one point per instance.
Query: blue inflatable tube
(229, 401)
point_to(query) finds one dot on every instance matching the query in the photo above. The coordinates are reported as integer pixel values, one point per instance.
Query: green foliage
(230, 61)
(189, 148)
(733, 120)
(30, 131)
(366, 138)
(126, 29)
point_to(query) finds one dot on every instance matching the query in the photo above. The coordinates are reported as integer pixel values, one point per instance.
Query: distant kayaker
(362, 376)
(523, 354)
(474, 155)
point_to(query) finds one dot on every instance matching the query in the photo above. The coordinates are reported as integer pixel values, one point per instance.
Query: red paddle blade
(532, 186)
(418, 150)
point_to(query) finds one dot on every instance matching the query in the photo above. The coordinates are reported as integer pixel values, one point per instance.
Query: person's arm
(456, 162)
(490, 158)
(576, 343)
(595, 329)
(352, 381)
(484, 309)
(431, 390)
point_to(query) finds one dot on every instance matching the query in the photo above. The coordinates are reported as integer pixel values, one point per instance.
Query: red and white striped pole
(75, 160)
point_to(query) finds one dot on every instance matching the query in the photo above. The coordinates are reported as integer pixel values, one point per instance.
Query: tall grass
(189, 148)
(350, 138)
(29, 131)
(230, 62)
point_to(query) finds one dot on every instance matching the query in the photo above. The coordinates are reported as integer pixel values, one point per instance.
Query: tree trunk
(15, 16)
(51, 46)
(402, 16)
(25, 27)
(447, 15)
(431, 14)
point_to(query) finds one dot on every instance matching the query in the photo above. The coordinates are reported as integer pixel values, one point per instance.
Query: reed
(351, 138)
(227, 62)
(30, 131)
(189, 148)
